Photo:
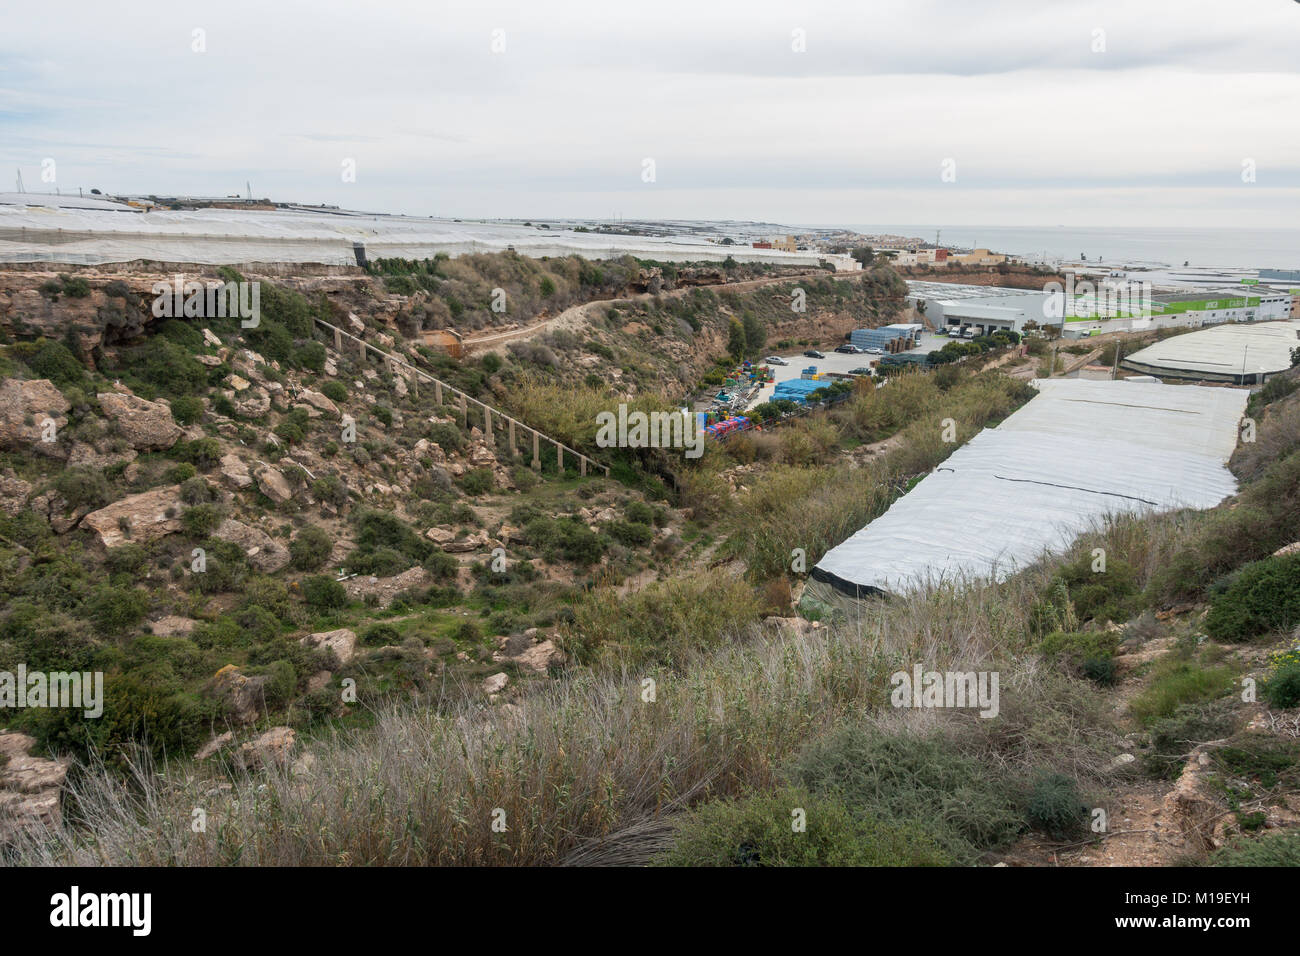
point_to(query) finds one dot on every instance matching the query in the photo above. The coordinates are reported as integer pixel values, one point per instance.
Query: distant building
(980, 257)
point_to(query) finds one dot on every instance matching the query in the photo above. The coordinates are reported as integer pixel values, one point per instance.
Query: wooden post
(511, 439)
(559, 458)
(361, 350)
(437, 393)
(464, 409)
(487, 425)
(338, 341)
(537, 455)
(582, 465)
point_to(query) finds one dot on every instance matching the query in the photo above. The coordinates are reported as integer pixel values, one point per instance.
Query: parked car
(775, 360)
(860, 371)
(874, 351)
(847, 349)
(813, 353)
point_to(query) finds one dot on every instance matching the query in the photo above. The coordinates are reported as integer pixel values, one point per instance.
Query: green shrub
(1282, 688)
(114, 610)
(761, 830)
(1179, 680)
(53, 360)
(200, 521)
(1101, 596)
(75, 287)
(202, 453)
(180, 473)
(187, 409)
(310, 548)
(630, 533)
(195, 490)
(381, 635)
(322, 592)
(83, 487)
(310, 355)
(384, 414)
(476, 481)
(1262, 597)
(1276, 848)
(335, 391)
(909, 778)
(1084, 653)
(1055, 807)
(564, 538)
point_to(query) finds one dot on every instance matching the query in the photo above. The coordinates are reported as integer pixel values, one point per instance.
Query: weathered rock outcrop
(273, 484)
(25, 408)
(148, 426)
(342, 642)
(243, 696)
(30, 788)
(143, 517)
(264, 552)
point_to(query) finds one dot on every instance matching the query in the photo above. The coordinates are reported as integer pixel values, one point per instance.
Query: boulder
(215, 744)
(342, 642)
(173, 626)
(495, 684)
(13, 494)
(540, 657)
(253, 403)
(24, 408)
(148, 426)
(273, 484)
(243, 696)
(272, 748)
(234, 471)
(264, 552)
(318, 401)
(138, 518)
(31, 788)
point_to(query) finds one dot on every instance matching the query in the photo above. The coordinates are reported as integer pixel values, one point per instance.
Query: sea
(1231, 248)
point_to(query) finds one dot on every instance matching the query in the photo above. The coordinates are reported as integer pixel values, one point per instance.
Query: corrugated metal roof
(1079, 451)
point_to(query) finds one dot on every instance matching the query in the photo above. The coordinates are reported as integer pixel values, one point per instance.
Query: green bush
(1178, 680)
(476, 481)
(1055, 807)
(335, 391)
(1262, 597)
(83, 487)
(761, 830)
(1276, 848)
(310, 355)
(200, 521)
(381, 635)
(322, 592)
(114, 610)
(202, 453)
(1282, 688)
(310, 548)
(909, 778)
(187, 409)
(564, 538)
(1101, 596)
(1084, 653)
(53, 360)
(630, 533)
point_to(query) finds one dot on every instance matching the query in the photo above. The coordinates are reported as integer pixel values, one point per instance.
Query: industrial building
(950, 305)
(888, 338)
(1190, 308)
(1239, 354)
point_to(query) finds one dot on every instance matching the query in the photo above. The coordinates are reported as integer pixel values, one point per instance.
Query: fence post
(537, 455)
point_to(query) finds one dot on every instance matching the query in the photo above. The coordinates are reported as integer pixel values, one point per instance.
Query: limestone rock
(318, 401)
(24, 408)
(244, 696)
(173, 626)
(235, 471)
(264, 552)
(272, 748)
(273, 484)
(148, 426)
(31, 788)
(342, 642)
(495, 684)
(146, 516)
(215, 744)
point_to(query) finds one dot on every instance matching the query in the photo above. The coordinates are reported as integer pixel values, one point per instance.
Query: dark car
(847, 349)
(813, 353)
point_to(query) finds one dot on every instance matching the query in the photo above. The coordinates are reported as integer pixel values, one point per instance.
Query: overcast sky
(1050, 112)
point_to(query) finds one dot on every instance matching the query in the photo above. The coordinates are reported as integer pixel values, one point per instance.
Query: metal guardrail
(491, 415)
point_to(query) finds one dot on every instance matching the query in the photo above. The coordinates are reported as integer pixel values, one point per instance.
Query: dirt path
(575, 317)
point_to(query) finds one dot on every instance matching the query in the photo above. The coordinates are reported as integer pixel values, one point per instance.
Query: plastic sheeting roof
(1225, 349)
(1078, 452)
